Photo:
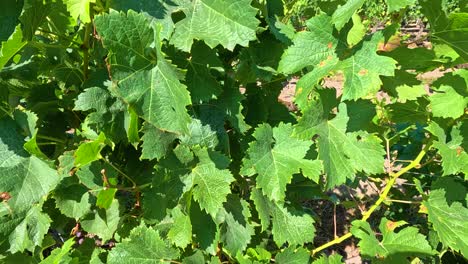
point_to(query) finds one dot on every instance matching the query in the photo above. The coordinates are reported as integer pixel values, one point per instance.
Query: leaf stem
(393, 176)
(51, 139)
(123, 173)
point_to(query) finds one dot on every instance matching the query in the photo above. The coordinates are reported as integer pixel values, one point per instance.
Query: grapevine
(233, 131)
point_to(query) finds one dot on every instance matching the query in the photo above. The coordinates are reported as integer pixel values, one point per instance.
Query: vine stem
(393, 176)
(85, 48)
(121, 172)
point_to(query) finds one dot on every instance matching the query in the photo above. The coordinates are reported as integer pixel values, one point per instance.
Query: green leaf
(216, 22)
(449, 30)
(109, 115)
(11, 10)
(332, 259)
(210, 182)
(160, 10)
(60, 255)
(393, 247)
(343, 13)
(102, 222)
(292, 227)
(449, 221)
(275, 156)
(180, 233)
(291, 255)
(105, 198)
(410, 93)
(201, 83)
(156, 143)
(454, 157)
(90, 151)
(12, 46)
(200, 135)
(343, 153)
(262, 206)
(72, 198)
(144, 245)
(362, 70)
(236, 230)
(21, 173)
(311, 48)
(80, 9)
(30, 232)
(205, 230)
(396, 5)
(260, 60)
(27, 121)
(141, 75)
(196, 258)
(357, 32)
(446, 102)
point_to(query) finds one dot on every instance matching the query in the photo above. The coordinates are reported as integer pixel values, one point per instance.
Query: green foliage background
(150, 131)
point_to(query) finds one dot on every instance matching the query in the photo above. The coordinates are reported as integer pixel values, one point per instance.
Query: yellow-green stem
(393, 176)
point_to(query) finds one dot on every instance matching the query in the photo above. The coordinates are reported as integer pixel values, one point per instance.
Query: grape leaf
(357, 32)
(27, 121)
(72, 198)
(291, 255)
(180, 233)
(343, 13)
(205, 230)
(30, 232)
(160, 10)
(105, 198)
(90, 151)
(394, 247)
(143, 245)
(216, 22)
(446, 102)
(275, 156)
(362, 70)
(209, 181)
(11, 10)
(396, 5)
(449, 221)
(142, 77)
(20, 173)
(11, 47)
(454, 157)
(201, 83)
(102, 222)
(343, 154)
(449, 30)
(80, 9)
(60, 255)
(156, 143)
(294, 228)
(332, 259)
(200, 135)
(236, 230)
(110, 112)
(310, 48)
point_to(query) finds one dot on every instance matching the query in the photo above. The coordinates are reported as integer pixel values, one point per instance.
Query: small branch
(334, 221)
(401, 201)
(85, 48)
(383, 196)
